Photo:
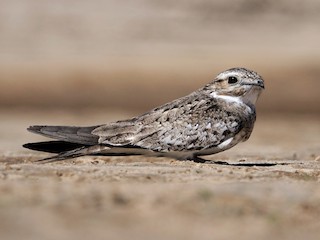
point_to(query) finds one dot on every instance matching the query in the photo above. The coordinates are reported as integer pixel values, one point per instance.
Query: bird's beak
(258, 82)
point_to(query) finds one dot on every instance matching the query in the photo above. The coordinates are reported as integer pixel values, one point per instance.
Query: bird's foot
(197, 159)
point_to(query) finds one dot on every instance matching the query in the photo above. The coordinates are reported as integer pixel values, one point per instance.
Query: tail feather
(81, 135)
(53, 146)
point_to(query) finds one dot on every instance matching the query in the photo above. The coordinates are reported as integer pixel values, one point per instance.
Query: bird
(209, 120)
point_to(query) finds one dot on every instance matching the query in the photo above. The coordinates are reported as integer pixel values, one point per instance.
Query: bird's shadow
(242, 164)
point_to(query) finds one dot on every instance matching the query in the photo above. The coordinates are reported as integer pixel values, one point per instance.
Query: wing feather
(194, 122)
(81, 135)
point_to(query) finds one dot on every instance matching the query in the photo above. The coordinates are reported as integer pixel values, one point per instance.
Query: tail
(53, 146)
(79, 135)
(72, 141)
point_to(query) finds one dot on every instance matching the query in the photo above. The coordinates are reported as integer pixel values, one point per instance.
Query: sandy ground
(278, 197)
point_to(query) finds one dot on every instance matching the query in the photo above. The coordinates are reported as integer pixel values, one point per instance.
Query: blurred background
(135, 55)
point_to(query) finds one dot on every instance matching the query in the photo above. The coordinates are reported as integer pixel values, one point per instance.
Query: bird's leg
(197, 159)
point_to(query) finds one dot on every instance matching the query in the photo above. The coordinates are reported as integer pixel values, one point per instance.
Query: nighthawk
(211, 119)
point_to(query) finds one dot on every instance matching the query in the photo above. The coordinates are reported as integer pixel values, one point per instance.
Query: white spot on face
(208, 126)
(225, 143)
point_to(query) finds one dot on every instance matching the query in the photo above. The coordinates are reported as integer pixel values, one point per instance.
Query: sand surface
(276, 197)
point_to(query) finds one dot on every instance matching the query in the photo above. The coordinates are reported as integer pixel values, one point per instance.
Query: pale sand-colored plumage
(207, 121)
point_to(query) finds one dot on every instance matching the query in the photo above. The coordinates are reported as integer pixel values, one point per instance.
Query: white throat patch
(230, 99)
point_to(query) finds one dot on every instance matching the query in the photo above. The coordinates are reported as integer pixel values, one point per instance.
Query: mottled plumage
(209, 120)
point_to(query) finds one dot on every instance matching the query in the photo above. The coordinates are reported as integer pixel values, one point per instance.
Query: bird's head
(237, 82)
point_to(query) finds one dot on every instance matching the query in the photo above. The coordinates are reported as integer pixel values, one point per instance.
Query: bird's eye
(232, 80)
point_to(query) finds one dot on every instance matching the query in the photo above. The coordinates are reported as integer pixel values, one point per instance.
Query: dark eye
(232, 80)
